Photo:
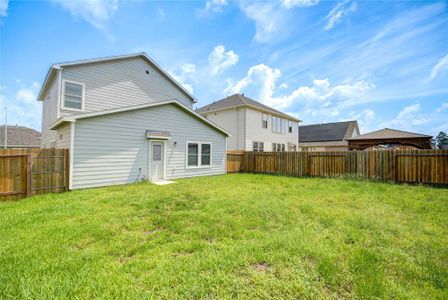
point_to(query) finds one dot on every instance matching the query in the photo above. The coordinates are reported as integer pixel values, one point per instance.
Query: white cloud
(341, 10)
(184, 73)
(271, 17)
(298, 3)
(266, 17)
(220, 60)
(408, 111)
(441, 67)
(23, 108)
(4, 8)
(215, 5)
(442, 107)
(96, 12)
(409, 117)
(366, 119)
(161, 12)
(261, 81)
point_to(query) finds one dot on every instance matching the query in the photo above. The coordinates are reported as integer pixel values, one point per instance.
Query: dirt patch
(261, 267)
(151, 232)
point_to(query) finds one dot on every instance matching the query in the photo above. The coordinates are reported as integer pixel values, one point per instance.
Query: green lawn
(233, 236)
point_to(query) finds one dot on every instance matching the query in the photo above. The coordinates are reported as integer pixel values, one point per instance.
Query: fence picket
(25, 172)
(417, 166)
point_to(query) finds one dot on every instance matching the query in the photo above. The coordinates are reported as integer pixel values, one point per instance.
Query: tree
(442, 139)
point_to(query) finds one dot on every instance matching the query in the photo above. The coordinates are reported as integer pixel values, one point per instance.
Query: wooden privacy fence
(26, 172)
(417, 166)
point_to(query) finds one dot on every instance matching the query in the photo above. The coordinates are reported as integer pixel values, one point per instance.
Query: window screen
(73, 95)
(156, 152)
(193, 152)
(205, 154)
(264, 123)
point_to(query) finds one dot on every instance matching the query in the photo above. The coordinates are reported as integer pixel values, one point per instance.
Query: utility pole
(6, 129)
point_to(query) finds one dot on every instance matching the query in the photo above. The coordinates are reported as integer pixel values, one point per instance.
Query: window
(258, 146)
(199, 154)
(156, 152)
(205, 154)
(278, 147)
(289, 126)
(292, 147)
(73, 95)
(193, 152)
(264, 121)
(278, 125)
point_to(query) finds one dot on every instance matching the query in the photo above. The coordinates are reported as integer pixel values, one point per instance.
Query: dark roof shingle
(388, 133)
(237, 100)
(327, 132)
(20, 136)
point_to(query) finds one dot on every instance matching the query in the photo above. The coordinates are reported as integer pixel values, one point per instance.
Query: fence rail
(416, 166)
(26, 172)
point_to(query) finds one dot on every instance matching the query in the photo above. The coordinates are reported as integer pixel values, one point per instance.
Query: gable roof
(20, 136)
(388, 133)
(182, 106)
(337, 131)
(52, 71)
(238, 100)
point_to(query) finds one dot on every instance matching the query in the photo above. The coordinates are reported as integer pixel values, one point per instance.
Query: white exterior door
(157, 160)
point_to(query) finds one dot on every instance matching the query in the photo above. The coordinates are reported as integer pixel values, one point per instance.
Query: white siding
(110, 149)
(121, 83)
(231, 120)
(63, 136)
(49, 114)
(255, 132)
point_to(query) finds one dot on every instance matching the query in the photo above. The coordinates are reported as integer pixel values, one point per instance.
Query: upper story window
(278, 125)
(289, 126)
(73, 96)
(264, 121)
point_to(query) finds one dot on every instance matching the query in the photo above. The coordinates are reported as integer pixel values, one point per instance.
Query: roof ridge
(241, 97)
(318, 124)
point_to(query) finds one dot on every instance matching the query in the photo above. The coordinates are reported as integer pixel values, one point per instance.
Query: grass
(233, 236)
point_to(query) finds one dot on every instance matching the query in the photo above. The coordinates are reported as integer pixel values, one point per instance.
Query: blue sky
(382, 63)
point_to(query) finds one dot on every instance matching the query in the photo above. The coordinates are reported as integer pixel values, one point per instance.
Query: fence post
(67, 168)
(28, 175)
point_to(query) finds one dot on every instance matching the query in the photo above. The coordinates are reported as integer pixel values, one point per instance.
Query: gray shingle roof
(327, 132)
(237, 100)
(388, 133)
(20, 136)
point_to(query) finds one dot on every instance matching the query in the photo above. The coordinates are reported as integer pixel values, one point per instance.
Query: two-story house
(125, 119)
(327, 136)
(253, 126)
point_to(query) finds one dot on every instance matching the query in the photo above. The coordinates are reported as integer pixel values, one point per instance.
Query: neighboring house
(327, 136)
(253, 126)
(125, 119)
(390, 139)
(19, 137)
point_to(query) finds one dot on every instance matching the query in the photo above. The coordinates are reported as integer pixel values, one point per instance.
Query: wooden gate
(25, 172)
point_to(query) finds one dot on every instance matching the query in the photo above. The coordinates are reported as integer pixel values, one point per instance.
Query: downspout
(6, 129)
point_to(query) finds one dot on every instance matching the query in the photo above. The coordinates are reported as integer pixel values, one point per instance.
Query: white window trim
(263, 120)
(283, 125)
(258, 148)
(83, 96)
(199, 166)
